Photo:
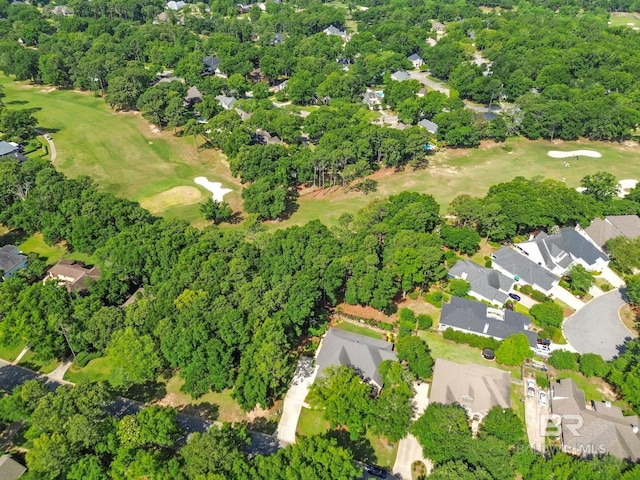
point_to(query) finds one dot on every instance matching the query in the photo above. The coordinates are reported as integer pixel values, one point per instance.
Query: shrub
(538, 296)
(554, 334)
(564, 360)
(542, 381)
(526, 289)
(413, 295)
(488, 263)
(84, 358)
(513, 350)
(459, 287)
(547, 314)
(605, 287)
(434, 298)
(407, 321)
(424, 321)
(416, 353)
(593, 365)
(470, 339)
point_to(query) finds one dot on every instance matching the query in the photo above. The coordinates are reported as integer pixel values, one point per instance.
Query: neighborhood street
(597, 328)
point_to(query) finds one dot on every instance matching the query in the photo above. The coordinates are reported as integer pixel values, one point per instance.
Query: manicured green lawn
(10, 352)
(123, 152)
(98, 369)
(52, 254)
(590, 387)
(460, 353)
(42, 366)
(624, 19)
(311, 422)
(350, 327)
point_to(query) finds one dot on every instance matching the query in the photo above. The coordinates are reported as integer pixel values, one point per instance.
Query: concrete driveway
(566, 296)
(535, 415)
(597, 328)
(294, 399)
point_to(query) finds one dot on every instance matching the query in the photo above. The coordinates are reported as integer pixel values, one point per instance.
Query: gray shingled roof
(472, 316)
(474, 387)
(601, 231)
(6, 148)
(400, 76)
(429, 125)
(484, 281)
(10, 257)
(519, 265)
(10, 469)
(562, 248)
(604, 426)
(365, 354)
(414, 57)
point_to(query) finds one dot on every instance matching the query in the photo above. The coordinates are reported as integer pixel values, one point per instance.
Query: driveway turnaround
(294, 400)
(597, 328)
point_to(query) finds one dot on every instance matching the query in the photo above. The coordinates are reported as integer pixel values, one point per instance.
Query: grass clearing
(594, 388)
(311, 422)
(367, 332)
(625, 19)
(122, 152)
(43, 366)
(52, 254)
(10, 352)
(98, 369)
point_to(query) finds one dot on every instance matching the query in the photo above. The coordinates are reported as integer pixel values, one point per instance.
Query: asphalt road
(13, 375)
(597, 328)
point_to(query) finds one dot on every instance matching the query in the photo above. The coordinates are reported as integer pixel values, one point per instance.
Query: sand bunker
(575, 153)
(170, 198)
(214, 187)
(625, 186)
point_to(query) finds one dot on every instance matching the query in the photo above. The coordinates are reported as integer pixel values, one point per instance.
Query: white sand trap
(575, 153)
(625, 186)
(213, 187)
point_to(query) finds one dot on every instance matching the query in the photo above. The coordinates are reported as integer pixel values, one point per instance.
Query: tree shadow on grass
(144, 392)
(263, 424)
(16, 102)
(204, 411)
(13, 237)
(361, 448)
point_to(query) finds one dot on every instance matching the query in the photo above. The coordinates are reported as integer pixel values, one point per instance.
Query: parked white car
(543, 398)
(531, 388)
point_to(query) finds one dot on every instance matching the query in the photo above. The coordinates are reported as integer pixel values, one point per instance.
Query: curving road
(52, 146)
(597, 328)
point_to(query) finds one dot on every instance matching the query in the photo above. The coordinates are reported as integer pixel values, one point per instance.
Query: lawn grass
(457, 352)
(122, 152)
(10, 352)
(624, 19)
(52, 254)
(98, 369)
(471, 171)
(367, 332)
(43, 366)
(517, 402)
(311, 422)
(519, 308)
(591, 386)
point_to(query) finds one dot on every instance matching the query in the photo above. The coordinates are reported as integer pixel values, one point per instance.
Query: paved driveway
(294, 400)
(596, 328)
(566, 296)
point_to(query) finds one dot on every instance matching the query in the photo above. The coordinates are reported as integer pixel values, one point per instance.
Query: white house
(416, 60)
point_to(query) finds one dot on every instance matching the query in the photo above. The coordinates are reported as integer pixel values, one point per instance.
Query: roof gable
(484, 281)
(520, 266)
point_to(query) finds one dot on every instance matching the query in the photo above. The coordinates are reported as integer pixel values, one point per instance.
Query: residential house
(416, 60)
(176, 5)
(475, 388)
(226, 102)
(11, 260)
(281, 86)
(211, 66)
(62, 10)
(523, 270)
(475, 317)
(437, 27)
(74, 276)
(244, 7)
(371, 99)
(594, 429)
(428, 125)
(558, 252)
(364, 354)
(602, 230)
(139, 293)
(400, 76)
(265, 138)
(487, 285)
(8, 149)
(334, 31)
(193, 96)
(10, 469)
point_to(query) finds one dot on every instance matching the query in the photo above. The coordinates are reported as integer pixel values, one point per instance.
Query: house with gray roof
(602, 230)
(211, 65)
(588, 429)
(558, 252)
(523, 270)
(486, 284)
(400, 76)
(11, 260)
(74, 276)
(474, 317)
(8, 148)
(176, 5)
(226, 102)
(428, 125)
(416, 60)
(10, 469)
(336, 32)
(364, 354)
(475, 388)
(193, 96)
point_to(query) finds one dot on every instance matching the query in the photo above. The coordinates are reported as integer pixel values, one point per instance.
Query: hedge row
(471, 339)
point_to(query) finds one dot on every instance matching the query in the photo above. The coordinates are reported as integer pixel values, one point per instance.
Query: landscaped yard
(52, 255)
(123, 152)
(98, 369)
(594, 388)
(11, 352)
(460, 353)
(42, 366)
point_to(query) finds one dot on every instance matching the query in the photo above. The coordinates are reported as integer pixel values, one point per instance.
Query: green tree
(602, 186)
(564, 360)
(443, 431)
(547, 314)
(466, 240)
(513, 350)
(593, 365)
(216, 211)
(103, 324)
(416, 353)
(580, 278)
(459, 287)
(504, 424)
(633, 289)
(134, 357)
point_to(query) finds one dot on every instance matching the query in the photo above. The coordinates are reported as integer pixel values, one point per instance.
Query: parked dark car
(375, 470)
(544, 341)
(516, 297)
